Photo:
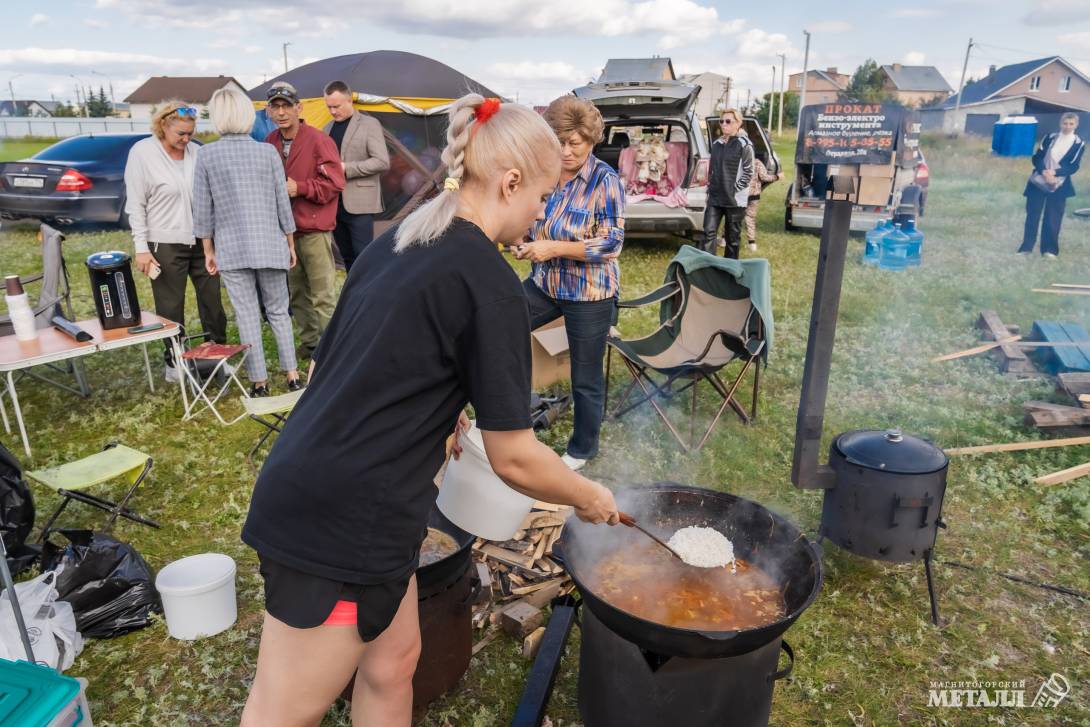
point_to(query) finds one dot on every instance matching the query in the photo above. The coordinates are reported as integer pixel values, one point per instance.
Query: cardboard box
(873, 191)
(878, 170)
(551, 358)
(843, 170)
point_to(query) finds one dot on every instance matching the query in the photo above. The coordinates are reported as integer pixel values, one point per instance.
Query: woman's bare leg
(383, 693)
(300, 672)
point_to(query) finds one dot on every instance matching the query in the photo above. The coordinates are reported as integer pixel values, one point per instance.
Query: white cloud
(96, 24)
(915, 58)
(917, 13)
(62, 61)
(534, 83)
(1055, 12)
(756, 43)
(1076, 40)
(38, 19)
(107, 3)
(830, 26)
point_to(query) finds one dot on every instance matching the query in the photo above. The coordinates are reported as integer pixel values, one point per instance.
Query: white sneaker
(721, 243)
(1049, 255)
(753, 247)
(170, 373)
(1023, 253)
(573, 463)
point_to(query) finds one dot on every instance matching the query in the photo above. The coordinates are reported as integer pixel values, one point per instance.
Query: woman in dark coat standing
(1050, 186)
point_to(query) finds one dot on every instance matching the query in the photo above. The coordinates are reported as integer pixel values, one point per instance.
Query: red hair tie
(487, 110)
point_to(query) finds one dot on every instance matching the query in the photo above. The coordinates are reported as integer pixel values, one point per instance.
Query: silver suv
(634, 110)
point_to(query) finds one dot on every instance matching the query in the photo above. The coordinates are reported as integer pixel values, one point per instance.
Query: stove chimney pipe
(806, 473)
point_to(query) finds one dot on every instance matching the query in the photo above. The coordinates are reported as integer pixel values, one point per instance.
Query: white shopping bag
(50, 624)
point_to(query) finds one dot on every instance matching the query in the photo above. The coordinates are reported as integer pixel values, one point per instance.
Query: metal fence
(59, 128)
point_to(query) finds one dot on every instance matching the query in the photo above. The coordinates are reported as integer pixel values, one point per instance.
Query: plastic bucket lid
(195, 575)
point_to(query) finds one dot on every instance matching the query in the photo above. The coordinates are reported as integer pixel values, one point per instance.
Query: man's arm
(324, 187)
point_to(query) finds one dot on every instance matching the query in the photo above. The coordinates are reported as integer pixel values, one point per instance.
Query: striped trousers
(242, 287)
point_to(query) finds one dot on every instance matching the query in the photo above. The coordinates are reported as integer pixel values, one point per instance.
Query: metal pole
(806, 473)
(285, 46)
(961, 84)
(14, 106)
(802, 98)
(772, 99)
(9, 585)
(783, 80)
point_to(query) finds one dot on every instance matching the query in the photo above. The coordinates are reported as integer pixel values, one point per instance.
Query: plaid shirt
(240, 200)
(588, 207)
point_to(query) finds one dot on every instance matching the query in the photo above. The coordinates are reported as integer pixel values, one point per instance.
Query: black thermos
(113, 289)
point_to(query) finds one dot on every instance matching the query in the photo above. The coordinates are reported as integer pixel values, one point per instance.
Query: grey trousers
(242, 288)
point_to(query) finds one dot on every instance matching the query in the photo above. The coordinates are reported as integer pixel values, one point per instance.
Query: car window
(87, 148)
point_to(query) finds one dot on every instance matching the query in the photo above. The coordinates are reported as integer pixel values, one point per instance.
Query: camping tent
(408, 94)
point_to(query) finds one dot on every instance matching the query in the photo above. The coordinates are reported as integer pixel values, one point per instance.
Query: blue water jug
(915, 243)
(894, 250)
(873, 249)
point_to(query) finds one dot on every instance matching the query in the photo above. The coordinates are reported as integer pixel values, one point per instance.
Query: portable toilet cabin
(1020, 137)
(999, 136)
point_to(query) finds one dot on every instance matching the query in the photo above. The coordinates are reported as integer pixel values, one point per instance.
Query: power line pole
(805, 70)
(285, 46)
(783, 69)
(749, 96)
(961, 84)
(726, 93)
(772, 99)
(11, 89)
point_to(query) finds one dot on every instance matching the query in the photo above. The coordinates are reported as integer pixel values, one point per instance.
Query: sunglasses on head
(185, 112)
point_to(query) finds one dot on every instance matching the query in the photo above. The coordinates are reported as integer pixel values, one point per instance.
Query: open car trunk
(620, 146)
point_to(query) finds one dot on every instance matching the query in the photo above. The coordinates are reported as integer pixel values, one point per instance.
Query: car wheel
(123, 218)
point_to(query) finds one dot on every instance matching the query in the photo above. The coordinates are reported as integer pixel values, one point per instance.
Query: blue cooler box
(36, 696)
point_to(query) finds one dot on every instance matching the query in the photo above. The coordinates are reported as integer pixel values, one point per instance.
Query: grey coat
(364, 153)
(240, 200)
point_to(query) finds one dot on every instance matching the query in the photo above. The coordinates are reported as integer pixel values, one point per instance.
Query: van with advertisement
(878, 144)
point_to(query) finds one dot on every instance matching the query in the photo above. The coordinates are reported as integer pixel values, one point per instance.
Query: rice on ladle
(702, 547)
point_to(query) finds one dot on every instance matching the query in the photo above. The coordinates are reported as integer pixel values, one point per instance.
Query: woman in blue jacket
(1049, 186)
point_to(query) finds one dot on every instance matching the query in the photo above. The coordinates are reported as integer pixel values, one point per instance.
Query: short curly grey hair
(570, 114)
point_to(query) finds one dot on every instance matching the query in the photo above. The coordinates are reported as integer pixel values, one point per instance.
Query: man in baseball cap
(315, 178)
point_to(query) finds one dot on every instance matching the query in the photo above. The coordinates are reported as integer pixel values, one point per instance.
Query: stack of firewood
(519, 578)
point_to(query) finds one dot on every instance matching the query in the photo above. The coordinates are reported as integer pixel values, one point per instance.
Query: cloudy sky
(530, 48)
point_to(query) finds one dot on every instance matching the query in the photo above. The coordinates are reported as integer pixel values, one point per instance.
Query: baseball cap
(284, 90)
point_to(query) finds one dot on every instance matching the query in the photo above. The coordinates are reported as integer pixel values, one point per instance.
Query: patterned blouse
(589, 206)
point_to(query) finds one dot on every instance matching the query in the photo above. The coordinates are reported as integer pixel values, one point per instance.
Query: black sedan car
(78, 179)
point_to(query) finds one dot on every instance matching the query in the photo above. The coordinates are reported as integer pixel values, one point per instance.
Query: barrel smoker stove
(883, 489)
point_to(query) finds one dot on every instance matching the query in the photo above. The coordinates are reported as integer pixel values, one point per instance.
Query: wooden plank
(520, 619)
(1071, 473)
(541, 598)
(975, 349)
(1019, 446)
(1077, 334)
(487, 639)
(1061, 291)
(1073, 383)
(1011, 359)
(1046, 414)
(1061, 359)
(510, 558)
(532, 643)
(1075, 286)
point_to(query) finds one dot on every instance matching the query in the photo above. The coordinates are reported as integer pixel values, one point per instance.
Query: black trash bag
(110, 586)
(16, 513)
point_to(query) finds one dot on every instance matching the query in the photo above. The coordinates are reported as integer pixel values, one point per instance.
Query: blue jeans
(587, 325)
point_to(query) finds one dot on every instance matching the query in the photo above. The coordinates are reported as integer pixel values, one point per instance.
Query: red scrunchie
(487, 110)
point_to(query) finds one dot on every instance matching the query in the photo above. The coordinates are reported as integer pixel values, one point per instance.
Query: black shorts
(305, 601)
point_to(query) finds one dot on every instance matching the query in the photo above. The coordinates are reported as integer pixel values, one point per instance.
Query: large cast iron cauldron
(760, 536)
(888, 495)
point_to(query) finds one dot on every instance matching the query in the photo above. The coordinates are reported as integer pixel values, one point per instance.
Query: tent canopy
(379, 73)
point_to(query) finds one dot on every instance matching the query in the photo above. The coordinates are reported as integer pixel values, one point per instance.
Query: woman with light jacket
(158, 194)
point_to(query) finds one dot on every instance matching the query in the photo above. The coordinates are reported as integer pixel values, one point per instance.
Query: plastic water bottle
(915, 243)
(894, 250)
(22, 316)
(873, 250)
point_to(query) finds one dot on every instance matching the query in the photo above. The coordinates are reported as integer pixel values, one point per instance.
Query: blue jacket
(1068, 165)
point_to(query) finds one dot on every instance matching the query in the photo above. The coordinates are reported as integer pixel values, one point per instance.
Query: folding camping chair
(54, 299)
(72, 479)
(205, 365)
(713, 311)
(270, 412)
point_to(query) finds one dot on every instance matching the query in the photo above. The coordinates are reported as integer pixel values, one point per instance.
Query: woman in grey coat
(242, 214)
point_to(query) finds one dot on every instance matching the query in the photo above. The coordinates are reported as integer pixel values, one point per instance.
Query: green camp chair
(270, 412)
(713, 312)
(72, 479)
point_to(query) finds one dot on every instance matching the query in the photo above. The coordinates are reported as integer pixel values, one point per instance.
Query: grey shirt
(240, 200)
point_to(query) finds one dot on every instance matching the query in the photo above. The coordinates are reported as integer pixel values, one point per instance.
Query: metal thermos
(113, 289)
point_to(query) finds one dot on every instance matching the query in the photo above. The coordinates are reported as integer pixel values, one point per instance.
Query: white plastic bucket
(475, 499)
(198, 595)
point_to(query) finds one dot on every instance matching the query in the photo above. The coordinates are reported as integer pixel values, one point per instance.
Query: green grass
(866, 651)
(16, 149)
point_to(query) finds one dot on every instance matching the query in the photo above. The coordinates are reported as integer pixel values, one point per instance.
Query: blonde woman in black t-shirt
(432, 319)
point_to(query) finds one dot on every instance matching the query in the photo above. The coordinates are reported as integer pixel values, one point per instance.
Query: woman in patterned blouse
(575, 272)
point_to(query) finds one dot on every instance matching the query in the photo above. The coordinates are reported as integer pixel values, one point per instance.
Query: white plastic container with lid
(475, 499)
(22, 315)
(198, 595)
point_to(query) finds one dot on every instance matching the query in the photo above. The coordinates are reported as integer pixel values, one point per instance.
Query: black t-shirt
(346, 491)
(336, 132)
